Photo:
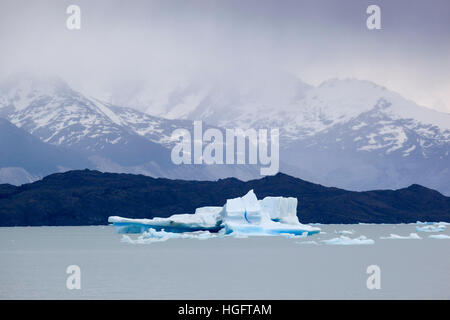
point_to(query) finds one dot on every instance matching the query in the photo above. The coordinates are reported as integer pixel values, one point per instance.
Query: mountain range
(348, 133)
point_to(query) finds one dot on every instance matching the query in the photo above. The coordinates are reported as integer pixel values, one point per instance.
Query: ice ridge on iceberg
(239, 216)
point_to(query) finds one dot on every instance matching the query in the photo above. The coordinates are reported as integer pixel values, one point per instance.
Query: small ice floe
(432, 228)
(152, 235)
(307, 242)
(345, 232)
(423, 222)
(439, 236)
(343, 240)
(396, 236)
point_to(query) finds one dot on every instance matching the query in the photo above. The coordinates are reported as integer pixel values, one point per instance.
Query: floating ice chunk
(439, 236)
(244, 215)
(307, 242)
(343, 240)
(420, 222)
(345, 232)
(396, 236)
(431, 228)
(153, 235)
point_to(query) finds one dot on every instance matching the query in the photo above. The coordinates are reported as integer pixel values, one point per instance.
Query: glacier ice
(308, 242)
(396, 236)
(432, 228)
(152, 235)
(342, 232)
(439, 236)
(270, 216)
(239, 217)
(343, 240)
(423, 222)
(204, 219)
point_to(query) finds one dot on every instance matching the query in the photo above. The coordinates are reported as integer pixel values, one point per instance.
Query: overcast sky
(314, 39)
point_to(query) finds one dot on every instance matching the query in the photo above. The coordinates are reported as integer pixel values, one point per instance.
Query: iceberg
(240, 217)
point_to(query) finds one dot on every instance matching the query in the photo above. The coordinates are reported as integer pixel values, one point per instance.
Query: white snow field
(34, 260)
(240, 216)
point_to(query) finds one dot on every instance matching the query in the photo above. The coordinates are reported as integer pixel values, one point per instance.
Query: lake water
(33, 262)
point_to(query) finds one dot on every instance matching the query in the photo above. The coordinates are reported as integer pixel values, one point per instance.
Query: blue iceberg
(239, 217)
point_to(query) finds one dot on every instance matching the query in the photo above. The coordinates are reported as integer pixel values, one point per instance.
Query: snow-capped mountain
(374, 150)
(112, 138)
(347, 133)
(298, 109)
(52, 111)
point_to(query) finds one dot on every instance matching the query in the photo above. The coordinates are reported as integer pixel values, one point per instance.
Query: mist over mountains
(347, 133)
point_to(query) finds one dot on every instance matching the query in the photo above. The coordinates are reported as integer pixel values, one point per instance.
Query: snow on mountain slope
(52, 111)
(281, 100)
(155, 129)
(347, 133)
(337, 101)
(381, 130)
(374, 150)
(112, 138)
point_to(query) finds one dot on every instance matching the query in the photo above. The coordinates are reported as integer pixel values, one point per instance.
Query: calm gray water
(33, 264)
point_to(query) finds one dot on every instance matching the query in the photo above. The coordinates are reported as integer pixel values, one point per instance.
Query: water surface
(33, 262)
